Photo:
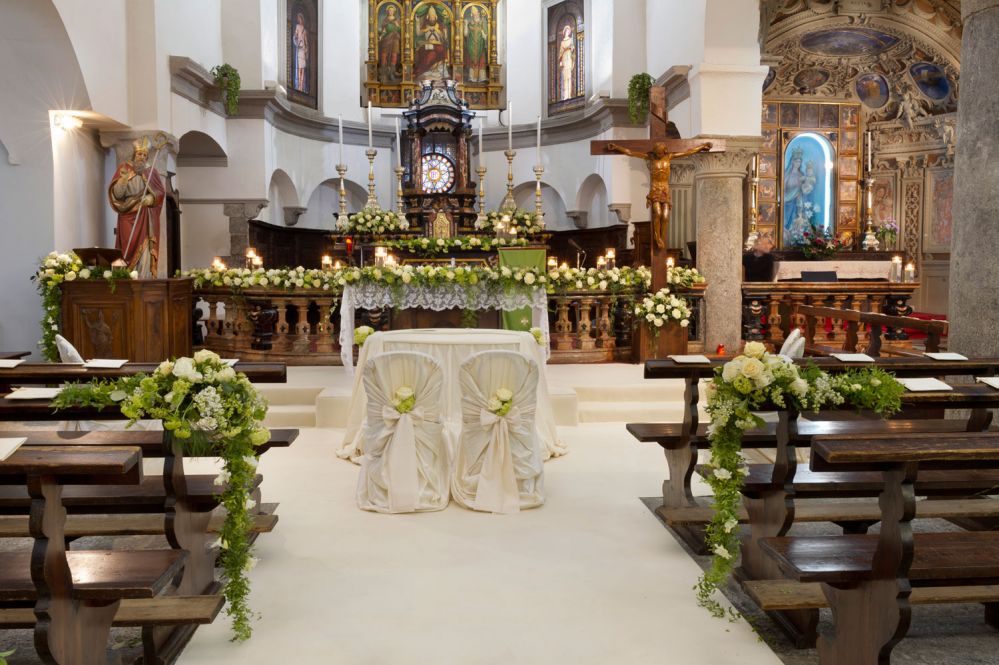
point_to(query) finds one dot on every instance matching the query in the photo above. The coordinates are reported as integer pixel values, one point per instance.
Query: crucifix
(662, 146)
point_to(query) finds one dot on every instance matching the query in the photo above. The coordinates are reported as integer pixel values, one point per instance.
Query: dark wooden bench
(867, 580)
(876, 323)
(75, 595)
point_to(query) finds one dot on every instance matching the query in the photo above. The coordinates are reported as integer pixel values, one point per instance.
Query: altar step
(290, 406)
(648, 401)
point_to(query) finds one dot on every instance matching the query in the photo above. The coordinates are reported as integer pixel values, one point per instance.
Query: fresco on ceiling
(872, 90)
(847, 42)
(808, 80)
(771, 75)
(930, 80)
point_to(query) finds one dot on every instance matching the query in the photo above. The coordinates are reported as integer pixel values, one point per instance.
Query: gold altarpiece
(409, 42)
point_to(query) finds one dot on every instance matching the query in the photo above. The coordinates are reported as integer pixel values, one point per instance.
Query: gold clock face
(438, 173)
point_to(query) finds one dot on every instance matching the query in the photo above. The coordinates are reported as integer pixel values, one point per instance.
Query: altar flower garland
(521, 221)
(53, 271)
(434, 246)
(662, 308)
(681, 277)
(562, 280)
(372, 221)
(215, 412)
(755, 381)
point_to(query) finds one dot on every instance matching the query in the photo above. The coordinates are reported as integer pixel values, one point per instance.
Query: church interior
(489, 331)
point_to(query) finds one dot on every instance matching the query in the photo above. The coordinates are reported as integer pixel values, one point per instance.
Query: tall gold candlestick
(372, 199)
(539, 170)
(509, 203)
(481, 171)
(399, 204)
(341, 169)
(754, 235)
(870, 240)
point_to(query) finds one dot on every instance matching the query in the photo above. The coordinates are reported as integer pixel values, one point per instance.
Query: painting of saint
(769, 113)
(766, 214)
(566, 64)
(769, 138)
(848, 167)
(807, 199)
(848, 217)
(848, 117)
(476, 33)
(848, 190)
(768, 166)
(872, 90)
(431, 42)
(566, 87)
(768, 190)
(389, 43)
(829, 115)
(930, 79)
(884, 199)
(302, 52)
(849, 142)
(809, 116)
(789, 115)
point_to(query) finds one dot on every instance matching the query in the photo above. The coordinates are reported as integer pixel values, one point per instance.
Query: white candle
(669, 262)
(910, 272)
(340, 123)
(539, 140)
(896, 269)
(870, 199)
(369, 125)
(509, 126)
(398, 154)
(756, 166)
(870, 149)
(481, 122)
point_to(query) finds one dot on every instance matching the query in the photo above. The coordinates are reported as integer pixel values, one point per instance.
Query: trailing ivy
(638, 97)
(227, 77)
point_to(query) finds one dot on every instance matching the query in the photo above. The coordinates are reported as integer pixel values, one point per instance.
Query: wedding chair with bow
(405, 465)
(498, 464)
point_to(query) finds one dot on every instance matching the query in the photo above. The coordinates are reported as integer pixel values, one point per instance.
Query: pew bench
(867, 580)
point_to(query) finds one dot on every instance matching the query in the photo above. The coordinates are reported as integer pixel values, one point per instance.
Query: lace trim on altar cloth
(437, 298)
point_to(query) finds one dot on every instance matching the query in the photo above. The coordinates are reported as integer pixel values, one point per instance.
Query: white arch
(592, 200)
(324, 202)
(552, 204)
(198, 148)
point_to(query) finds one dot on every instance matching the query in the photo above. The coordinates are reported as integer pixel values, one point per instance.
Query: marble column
(974, 271)
(239, 213)
(719, 213)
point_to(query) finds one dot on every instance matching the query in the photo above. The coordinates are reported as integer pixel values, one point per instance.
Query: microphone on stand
(580, 252)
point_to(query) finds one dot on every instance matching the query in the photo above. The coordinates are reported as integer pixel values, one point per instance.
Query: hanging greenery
(638, 97)
(227, 77)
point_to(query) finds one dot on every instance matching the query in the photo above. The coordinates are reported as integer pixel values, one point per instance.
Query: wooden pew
(51, 373)
(77, 594)
(868, 580)
(14, 355)
(877, 325)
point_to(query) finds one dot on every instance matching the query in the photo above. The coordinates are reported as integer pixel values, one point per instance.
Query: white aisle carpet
(591, 577)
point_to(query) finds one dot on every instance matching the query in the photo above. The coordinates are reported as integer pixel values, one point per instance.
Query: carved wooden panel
(911, 219)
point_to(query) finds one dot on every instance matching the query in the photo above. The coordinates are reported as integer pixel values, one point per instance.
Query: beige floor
(589, 578)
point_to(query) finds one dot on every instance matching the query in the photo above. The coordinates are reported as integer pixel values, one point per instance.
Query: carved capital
(292, 213)
(581, 218)
(734, 162)
(622, 211)
(243, 210)
(681, 173)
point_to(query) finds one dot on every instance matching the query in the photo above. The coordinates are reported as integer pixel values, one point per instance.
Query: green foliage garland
(433, 246)
(227, 77)
(215, 412)
(53, 271)
(524, 222)
(638, 97)
(757, 381)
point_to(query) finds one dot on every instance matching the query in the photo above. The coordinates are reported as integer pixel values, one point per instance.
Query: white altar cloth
(437, 298)
(451, 346)
(844, 269)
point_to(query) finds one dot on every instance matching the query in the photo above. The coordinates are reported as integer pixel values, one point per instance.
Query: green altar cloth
(521, 257)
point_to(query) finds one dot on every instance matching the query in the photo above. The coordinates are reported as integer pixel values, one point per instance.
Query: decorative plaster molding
(733, 162)
(622, 211)
(674, 80)
(579, 217)
(193, 82)
(292, 213)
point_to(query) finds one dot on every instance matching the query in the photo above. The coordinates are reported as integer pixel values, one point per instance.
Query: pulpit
(145, 320)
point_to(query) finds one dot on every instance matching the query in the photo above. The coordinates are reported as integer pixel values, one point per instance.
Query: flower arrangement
(54, 270)
(538, 335)
(886, 233)
(661, 308)
(277, 278)
(371, 221)
(505, 278)
(216, 412)
(683, 277)
(432, 246)
(501, 402)
(566, 279)
(521, 221)
(819, 244)
(752, 382)
(361, 334)
(404, 399)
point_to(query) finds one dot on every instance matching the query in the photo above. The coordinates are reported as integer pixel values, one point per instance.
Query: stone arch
(324, 203)
(200, 149)
(591, 204)
(552, 204)
(281, 194)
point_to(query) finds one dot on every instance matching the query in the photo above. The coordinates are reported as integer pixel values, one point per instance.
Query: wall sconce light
(66, 122)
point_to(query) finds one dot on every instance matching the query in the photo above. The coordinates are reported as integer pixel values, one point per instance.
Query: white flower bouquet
(561, 280)
(501, 402)
(538, 336)
(372, 221)
(404, 399)
(662, 308)
(361, 334)
(683, 277)
(516, 221)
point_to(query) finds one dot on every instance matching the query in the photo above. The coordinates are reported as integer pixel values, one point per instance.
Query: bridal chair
(405, 465)
(498, 463)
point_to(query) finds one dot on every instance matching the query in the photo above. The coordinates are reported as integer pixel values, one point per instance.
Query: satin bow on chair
(497, 490)
(400, 458)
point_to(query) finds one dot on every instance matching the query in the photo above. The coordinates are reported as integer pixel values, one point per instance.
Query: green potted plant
(638, 97)
(227, 78)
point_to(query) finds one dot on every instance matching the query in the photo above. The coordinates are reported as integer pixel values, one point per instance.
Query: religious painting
(848, 190)
(808, 115)
(807, 187)
(930, 79)
(475, 39)
(389, 42)
(829, 115)
(566, 57)
(848, 217)
(939, 224)
(431, 42)
(848, 145)
(770, 135)
(768, 190)
(848, 166)
(807, 80)
(839, 42)
(872, 90)
(769, 113)
(848, 116)
(768, 166)
(766, 215)
(789, 115)
(302, 52)
(884, 199)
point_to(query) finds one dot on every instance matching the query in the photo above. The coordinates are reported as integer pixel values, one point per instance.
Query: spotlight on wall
(66, 122)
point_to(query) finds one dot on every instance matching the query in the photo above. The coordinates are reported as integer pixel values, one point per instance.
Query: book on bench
(9, 446)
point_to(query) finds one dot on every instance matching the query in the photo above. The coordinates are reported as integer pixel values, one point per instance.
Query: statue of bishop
(136, 194)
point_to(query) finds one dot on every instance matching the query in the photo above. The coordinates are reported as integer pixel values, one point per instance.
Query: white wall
(78, 190)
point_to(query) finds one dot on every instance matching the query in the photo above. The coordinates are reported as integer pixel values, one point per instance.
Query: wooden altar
(145, 320)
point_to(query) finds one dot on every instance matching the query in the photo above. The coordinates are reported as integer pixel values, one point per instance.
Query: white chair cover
(498, 465)
(405, 466)
(794, 345)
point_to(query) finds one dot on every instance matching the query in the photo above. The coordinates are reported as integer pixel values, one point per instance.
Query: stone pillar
(974, 272)
(719, 213)
(239, 213)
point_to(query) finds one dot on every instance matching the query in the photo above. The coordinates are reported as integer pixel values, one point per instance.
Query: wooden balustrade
(876, 325)
(772, 309)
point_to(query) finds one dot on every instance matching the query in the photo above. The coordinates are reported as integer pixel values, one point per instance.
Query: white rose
(684, 323)
(661, 308)
(107, 274)
(505, 394)
(205, 355)
(731, 370)
(165, 367)
(264, 281)
(495, 404)
(752, 368)
(184, 369)
(70, 276)
(754, 349)
(650, 317)
(407, 278)
(85, 273)
(226, 375)
(723, 474)
(677, 313)
(529, 278)
(404, 392)
(799, 387)
(603, 285)
(659, 322)
(134, 274)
